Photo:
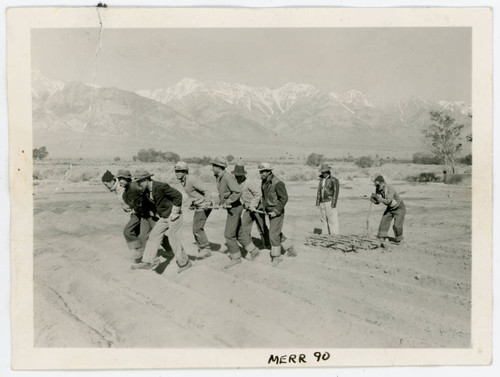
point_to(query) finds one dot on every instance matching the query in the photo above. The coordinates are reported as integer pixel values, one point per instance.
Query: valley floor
(416, 295)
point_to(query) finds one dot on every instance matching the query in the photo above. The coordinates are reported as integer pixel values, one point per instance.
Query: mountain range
(199, 112)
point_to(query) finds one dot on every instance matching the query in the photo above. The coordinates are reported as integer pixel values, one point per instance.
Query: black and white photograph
(264, 186)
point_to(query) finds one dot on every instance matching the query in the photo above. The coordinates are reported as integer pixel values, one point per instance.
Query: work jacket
(196, 190)
(328, 191)
(133, 196)
(389, 197)
(164, 197)
(274, 195)
(250, 194)
(229, 189)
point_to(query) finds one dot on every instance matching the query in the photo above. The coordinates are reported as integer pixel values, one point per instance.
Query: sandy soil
(416, 295)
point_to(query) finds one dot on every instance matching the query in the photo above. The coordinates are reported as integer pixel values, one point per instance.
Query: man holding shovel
(385, 194)
(326, 200)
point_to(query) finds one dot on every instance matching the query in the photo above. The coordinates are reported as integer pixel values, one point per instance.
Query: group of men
(156, 213)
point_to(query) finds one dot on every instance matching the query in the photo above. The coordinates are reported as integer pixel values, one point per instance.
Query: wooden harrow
(345, 243)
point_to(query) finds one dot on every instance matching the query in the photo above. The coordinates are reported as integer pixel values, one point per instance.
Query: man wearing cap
(167, 203)
(274, 199)
(229, 197)
(137, 230)
(326, 200)
(250, 199)
(111, 183)
(396, 210)
(200, 202)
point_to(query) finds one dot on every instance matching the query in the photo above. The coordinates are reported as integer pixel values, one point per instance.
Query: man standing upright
(326, 199)
(229, 196)
(396, 210)
(274, 199)
(200, 202)
(167, 203)
(250, 199)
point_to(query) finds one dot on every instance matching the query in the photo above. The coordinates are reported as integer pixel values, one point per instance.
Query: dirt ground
(415, 295)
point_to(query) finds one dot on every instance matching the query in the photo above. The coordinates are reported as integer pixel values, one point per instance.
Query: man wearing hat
(137, 230)
(274, 199)
(200, 202)
(250, 199)
(326, 200)
(396, 210)
(167, 203)
(111, 183)
(229, 197)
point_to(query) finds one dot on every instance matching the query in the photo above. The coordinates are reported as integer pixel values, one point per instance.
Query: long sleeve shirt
(119, 190)
(228, 187)
(389, 197)
(274, 195)
(196, 190)
(250, 194)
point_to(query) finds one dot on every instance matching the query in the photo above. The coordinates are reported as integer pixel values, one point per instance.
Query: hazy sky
(434, 63)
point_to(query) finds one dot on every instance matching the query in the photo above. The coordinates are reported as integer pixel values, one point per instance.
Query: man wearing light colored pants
(326, 199)
(167, 203)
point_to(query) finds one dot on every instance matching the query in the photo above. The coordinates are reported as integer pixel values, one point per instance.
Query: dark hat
(141, 174)
(239, 170)
(108, 176)
(324, 168)
(220, 162)
(379, 179)
(123, 173)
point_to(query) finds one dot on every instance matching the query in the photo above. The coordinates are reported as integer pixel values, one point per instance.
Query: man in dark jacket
(326, 200)
(385, 194)
(274, 199)
(229, 198)
(137, 229)
(167, 203)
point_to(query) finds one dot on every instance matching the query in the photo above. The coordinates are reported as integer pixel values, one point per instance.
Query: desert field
(415, 295)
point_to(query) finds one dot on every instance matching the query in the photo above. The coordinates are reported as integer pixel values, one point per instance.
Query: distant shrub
(40, 153)
(117, 159)
(205, 160)
(364, 162)
(314, 159)
(152, 155)
(302, 176)
(425, 159)
(466, 160)
(455, 179)
(423, 177)
(229, 158)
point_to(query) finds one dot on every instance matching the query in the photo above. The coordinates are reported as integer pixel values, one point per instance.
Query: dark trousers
(398, 215)
(233, 224)
(245, 233)
(199, 219)
(136, 231)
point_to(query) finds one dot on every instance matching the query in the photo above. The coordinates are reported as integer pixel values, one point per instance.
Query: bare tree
(442, 137)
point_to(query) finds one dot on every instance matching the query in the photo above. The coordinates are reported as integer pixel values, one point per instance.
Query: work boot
(185, 267)
(142, 266)
(138, 260)
(276, 260)
(204, 252)
(253, 254)
(397, 242)
(291, 252)
(232, 262)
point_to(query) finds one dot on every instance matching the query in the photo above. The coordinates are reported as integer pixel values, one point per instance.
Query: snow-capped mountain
(42, 86)
(214, 112)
